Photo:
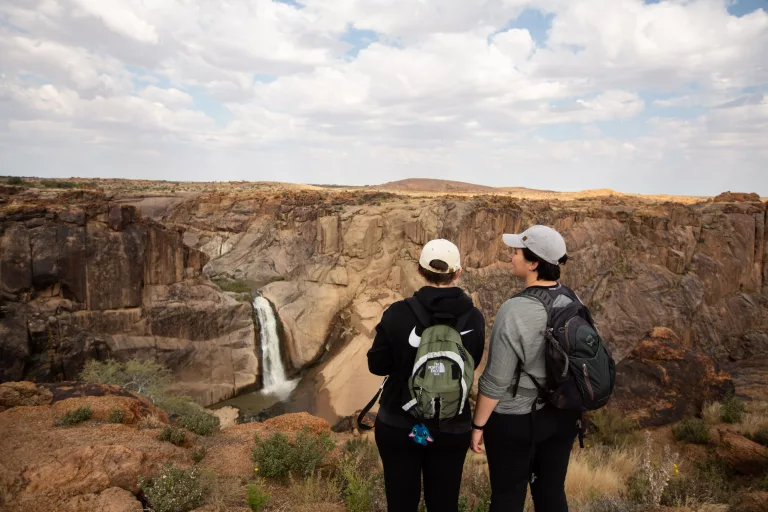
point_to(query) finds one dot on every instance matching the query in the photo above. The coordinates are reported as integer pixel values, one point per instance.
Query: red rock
(661, 380)
(743, 455)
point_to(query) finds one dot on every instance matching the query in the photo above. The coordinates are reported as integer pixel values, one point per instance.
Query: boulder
(727, 197)
(294, 422)
(103, 399)
(744, 456)
(15, 394)
(662, 380)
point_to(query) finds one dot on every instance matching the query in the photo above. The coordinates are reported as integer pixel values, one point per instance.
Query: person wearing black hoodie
(393, 352)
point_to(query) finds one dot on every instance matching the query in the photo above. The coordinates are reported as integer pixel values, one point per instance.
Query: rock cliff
(82, 277)
(332, 261)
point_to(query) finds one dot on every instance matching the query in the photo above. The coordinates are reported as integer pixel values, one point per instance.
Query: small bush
(14, 180)
(257, 497)
(174, 489)
(358, 487)
(692, 430)
(707, 482)
(59, 184)
(75, 416)
(710, 413)
(116, 416)
(199, 454)
(236, 286)
(277, 455)
(147, 378)
(189, 415)
(172, 435)
(733, 410)
(646, 486)
(150, 421)
(612, 428)
(761, 436)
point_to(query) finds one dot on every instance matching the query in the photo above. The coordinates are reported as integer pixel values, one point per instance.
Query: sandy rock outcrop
(662, 380)
(15, 394)
(83, 278)
(75, 466)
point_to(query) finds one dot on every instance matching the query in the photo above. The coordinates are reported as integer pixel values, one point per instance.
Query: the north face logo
(590, 340)
(437, 368)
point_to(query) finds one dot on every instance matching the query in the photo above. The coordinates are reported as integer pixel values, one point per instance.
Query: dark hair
(436, 277)
(547, 271)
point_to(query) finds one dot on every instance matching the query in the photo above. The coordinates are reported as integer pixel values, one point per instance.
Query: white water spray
(273, 372)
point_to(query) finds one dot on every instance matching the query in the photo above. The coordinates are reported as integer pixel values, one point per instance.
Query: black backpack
(580, 369)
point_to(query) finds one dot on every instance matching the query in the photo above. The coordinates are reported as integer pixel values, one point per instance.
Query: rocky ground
(96, 465)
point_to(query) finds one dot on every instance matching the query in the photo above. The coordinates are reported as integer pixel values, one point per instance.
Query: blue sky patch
(535, 21)
(741, 7)
(358, 39)
(210, 107)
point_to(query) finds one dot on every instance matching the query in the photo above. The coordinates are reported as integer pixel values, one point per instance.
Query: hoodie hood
(450, 301)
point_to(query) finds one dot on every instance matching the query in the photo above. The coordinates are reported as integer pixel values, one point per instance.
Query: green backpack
(443, 371)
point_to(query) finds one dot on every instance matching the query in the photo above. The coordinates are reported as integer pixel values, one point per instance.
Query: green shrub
(75, 416)
(692, 430)
(257, 497)
(230, 285)
(199, 454)
(761, 436)
(273, 455)
(116, 416)
(358, 486)
(143, 377)
(174, 489)
(59, 184)
(613, 428)
(733, 410)
(277, 455)
(189, 415)
(172, 435)
(309, 451)
(14, 180)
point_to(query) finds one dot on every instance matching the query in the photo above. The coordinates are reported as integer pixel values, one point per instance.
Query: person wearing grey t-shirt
(507, 396)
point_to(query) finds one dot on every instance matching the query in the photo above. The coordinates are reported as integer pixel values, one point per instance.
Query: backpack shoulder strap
(421, 313)
(462, 321)
(541, 295)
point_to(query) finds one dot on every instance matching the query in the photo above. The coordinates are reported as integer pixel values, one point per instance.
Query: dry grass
(711, 413)
(151, 422)
(315, 488)
(752, 422)
(599, 471)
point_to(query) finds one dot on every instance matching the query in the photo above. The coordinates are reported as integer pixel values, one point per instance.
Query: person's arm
(483, 410)
(380, 356)
(499, 371)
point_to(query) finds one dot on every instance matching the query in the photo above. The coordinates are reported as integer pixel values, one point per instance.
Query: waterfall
(273, 372)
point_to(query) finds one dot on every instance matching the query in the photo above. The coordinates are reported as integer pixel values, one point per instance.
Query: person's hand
(477, 440)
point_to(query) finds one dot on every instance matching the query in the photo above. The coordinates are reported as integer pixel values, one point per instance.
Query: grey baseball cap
(543, 241)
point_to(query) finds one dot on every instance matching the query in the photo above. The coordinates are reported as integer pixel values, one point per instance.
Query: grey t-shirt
(518, 335)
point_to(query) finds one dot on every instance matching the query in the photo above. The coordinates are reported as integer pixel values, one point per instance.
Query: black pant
(441, 463)
(507, 440)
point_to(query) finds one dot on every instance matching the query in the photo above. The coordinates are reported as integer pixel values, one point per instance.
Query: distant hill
(431, 185)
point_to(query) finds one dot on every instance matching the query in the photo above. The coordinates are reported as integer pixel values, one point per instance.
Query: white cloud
(261, 89)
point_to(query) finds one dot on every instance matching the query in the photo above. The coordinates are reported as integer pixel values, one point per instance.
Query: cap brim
(515, 241)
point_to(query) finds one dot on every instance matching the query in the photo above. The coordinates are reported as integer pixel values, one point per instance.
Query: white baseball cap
(543, 241)
(443, 250)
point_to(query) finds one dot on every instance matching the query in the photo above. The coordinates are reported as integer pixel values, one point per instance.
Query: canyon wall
(81, 277)
(331, 262)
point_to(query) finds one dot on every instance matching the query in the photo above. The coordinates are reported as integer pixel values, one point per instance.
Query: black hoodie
(393, 355)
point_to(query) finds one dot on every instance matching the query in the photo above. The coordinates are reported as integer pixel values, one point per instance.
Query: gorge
(96, 274)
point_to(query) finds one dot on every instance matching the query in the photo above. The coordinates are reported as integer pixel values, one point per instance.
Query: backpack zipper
(589, 384)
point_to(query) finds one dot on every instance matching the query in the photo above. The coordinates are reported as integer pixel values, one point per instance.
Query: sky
(639, 96)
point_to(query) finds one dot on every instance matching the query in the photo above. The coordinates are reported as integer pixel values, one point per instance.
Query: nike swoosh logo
(415, 340)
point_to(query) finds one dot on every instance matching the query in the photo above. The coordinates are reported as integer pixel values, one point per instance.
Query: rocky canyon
(121, 273)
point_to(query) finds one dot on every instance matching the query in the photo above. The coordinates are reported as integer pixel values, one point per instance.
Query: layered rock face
(83, 278)
(331, 262)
